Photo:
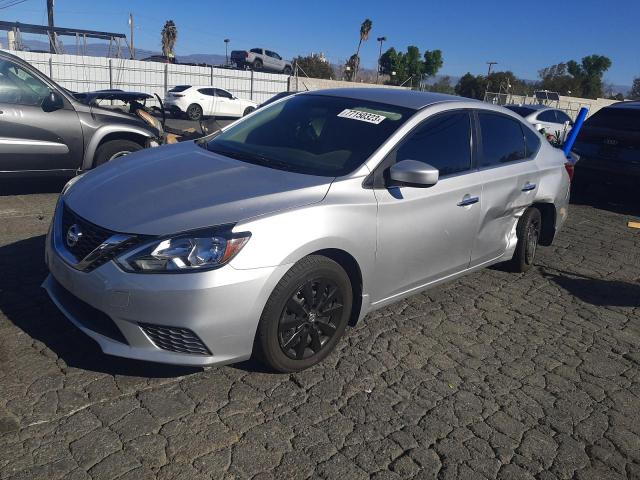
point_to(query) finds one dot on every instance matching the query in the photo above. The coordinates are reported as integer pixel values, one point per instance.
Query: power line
(10, 3)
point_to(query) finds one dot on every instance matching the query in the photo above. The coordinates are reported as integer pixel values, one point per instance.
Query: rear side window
(179, 88)
(502, 139)
(207, 91)
(443, 142)
(616, 119)
(532, 141)
(548, 116)
(256, 50)
(562, 117)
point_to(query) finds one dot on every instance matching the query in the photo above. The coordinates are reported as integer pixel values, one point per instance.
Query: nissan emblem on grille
(74, 234)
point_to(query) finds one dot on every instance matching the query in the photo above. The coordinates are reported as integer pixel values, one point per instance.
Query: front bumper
(221, 308)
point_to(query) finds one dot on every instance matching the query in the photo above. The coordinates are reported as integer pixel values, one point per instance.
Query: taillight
(246, 54)
(570, 169)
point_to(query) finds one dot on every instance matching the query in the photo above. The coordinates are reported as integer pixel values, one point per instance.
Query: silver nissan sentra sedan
(272, 235)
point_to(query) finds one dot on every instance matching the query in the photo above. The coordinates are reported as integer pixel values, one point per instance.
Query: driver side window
(18, 86)
(444, 142)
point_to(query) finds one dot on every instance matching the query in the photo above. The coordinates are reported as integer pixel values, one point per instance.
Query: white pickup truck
(261, 59)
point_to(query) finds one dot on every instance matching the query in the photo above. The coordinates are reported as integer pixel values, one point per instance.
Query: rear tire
(528, 232)
(257, 64)
(114, 149)
(194, 112)
(305, 315)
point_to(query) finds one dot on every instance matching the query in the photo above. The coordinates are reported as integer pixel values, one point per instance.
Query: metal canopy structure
(81, 35)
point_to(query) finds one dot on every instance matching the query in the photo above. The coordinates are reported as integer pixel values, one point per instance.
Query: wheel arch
(548, 215)
(352, 268)
(108, 133)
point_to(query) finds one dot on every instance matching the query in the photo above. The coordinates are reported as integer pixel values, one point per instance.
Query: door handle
(528, 187)
(466, 201)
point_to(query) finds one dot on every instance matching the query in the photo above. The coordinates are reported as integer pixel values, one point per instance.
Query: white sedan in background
(553, 121)
(197, 102)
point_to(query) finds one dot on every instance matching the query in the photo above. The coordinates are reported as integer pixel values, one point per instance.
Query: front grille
(88, 316)
(175, 339)
(92, 237)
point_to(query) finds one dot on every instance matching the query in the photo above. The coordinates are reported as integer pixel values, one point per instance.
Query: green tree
(634, 94)
(365, 29)
(314, 66)
(442, 85)
(506, 82)
(589, 74)
(471, 86)
(350, 66)
(169, 38)
(433, 62)
(410, 66)
(556, 78)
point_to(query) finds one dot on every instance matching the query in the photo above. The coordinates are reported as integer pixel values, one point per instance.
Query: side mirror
(52, 102)
(411, 173)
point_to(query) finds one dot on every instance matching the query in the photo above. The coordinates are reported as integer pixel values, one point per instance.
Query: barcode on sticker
(362, 116)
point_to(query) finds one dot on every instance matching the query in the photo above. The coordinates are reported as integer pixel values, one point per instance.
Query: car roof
(532, 107)
(626, 105)
(393, 96)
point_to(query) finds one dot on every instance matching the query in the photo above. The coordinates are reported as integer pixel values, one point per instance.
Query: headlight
(189, 252)
(70, 183)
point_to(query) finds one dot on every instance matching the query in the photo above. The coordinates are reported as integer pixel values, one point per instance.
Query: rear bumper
(593, 168)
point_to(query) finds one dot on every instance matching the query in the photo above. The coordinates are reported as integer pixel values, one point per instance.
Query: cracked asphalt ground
(496, 375)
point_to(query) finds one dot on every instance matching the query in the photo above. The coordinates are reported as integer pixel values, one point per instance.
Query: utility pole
(52, 35)
(226, 50)
(380, 39)
(132, 48)
(491, 64)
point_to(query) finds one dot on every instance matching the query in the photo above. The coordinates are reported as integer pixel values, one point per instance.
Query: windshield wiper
(259, 160)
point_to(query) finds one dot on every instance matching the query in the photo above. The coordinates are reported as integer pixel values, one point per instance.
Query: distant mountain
(102, 50)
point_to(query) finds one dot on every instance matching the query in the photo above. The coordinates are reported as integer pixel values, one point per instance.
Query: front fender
(105, 130)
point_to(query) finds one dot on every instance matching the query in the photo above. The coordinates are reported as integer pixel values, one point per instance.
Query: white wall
(83, 73)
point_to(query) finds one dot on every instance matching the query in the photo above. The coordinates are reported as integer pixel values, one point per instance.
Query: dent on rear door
(503, 201)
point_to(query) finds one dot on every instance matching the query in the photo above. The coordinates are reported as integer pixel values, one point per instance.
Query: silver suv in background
(45, 129)
(261, 59)
(311, 212)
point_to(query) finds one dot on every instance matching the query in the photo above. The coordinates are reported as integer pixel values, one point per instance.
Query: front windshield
(312, 134)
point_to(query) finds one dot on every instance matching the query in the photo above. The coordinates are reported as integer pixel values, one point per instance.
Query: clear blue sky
(468, 32)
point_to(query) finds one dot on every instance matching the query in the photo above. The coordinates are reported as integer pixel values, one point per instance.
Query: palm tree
(169, 38)
(365, 29)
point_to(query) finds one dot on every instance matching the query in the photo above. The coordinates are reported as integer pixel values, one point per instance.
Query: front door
(425, 234)
(32, 139)
(226, 106)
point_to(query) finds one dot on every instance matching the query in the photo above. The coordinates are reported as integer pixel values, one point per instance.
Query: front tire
(247, 111)
(114, 149)
(528, 232)
(305, 315)
(287, 70)
(194, 112)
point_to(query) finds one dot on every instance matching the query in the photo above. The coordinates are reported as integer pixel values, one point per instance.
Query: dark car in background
(46, 129)
(609, 146)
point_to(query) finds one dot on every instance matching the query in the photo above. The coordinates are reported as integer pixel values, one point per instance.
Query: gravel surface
(496, 375)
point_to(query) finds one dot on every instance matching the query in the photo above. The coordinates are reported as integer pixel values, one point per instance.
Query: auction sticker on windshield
(362, 116)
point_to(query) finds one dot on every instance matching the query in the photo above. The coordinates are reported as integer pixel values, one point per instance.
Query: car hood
(180, 187)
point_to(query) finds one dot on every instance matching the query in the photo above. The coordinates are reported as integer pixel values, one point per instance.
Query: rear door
(425, 234)
(32, 139)
(510, 179)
